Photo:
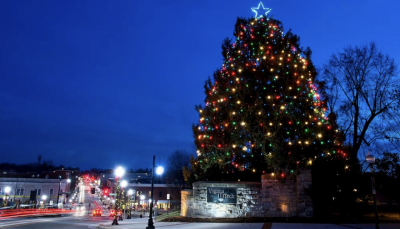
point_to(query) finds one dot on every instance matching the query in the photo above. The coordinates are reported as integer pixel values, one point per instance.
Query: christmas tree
(263, 112)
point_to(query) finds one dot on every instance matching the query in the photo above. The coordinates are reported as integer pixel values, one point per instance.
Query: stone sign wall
(272, 197)
(221, 195)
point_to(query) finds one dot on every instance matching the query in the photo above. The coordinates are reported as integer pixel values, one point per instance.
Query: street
(74, 221)
(78, 220)
(85, 219)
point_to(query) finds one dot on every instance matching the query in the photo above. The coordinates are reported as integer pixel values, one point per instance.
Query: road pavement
(141, 223)
(76, 221)
(84, 219)
(80, 220)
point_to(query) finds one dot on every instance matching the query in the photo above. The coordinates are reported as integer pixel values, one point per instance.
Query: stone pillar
(278, 196)
(304, 201)
(186, 196)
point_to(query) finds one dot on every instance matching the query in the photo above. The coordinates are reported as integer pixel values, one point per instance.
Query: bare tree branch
(368, 84)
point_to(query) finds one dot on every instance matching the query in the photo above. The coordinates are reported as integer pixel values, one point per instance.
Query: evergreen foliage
(263, 112)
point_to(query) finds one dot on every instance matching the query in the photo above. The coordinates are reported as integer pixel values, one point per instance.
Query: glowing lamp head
(142, 197)
(124, 183)
(69, 180)
(159, 170)
(7, 190)
(119, 172)
(130, 192)
(44, 197)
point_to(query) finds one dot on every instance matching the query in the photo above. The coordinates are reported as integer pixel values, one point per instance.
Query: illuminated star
(260, 12)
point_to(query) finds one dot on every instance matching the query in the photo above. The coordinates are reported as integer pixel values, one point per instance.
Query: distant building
(129, 177)
(160, 196)
(30, 187)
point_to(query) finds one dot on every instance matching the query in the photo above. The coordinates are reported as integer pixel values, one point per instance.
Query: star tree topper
(260, 12)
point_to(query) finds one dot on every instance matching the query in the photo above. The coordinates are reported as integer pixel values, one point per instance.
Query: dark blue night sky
(107, 83)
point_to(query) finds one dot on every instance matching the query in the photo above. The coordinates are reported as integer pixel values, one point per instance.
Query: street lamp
(169, 204)
(371, 160)
(149, 205)
(121, 198)
(141, 203)
(119, 172)
(160, 170)
(44, 197)
(69, 189)
(130, 193)
(59, 188)
(7, 190)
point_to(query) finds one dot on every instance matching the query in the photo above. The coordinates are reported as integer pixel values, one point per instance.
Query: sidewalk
(141, 223)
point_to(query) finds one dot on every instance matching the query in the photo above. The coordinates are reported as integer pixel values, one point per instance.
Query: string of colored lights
(263, 111)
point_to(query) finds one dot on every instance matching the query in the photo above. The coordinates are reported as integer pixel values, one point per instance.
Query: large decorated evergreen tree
(263, 112)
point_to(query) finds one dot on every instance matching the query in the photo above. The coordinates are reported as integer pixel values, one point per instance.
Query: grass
(175, 213)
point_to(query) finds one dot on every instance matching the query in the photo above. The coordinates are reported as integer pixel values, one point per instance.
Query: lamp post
(69, 190)
(371, 160)
(124, 183)
(7, 190)
(141, 207)
(44, 197)
(59, 187)
(168, 203)
(160, 170)
(130, 193)
(119, 172)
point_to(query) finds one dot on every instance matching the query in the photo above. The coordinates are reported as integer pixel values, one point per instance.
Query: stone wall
(197, 205)
(272, 197)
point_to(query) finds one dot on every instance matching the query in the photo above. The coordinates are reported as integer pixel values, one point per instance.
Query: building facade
(130, 177)
(21, 189)
(142, 194)
(35, 187)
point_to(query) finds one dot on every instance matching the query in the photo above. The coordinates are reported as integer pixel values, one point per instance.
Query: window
(1, 190)
(38, 191)
(20, 192)
(51, 191)
(159, 194)
(149, 194)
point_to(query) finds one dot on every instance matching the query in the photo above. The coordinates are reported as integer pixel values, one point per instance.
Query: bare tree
(174, 172)
(362, 88)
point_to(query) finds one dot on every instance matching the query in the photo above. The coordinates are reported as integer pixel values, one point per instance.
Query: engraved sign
(221, 195)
